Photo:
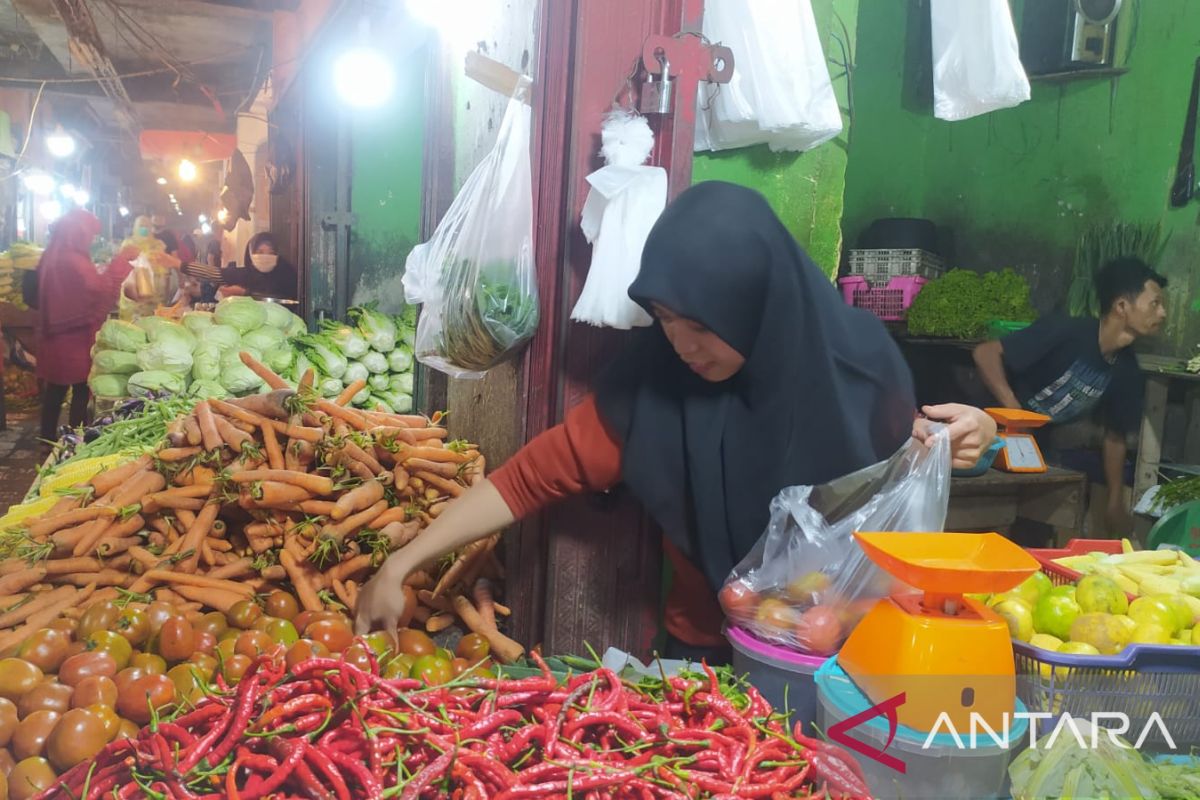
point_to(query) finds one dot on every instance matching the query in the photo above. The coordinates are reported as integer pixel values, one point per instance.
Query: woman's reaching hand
(971, 431)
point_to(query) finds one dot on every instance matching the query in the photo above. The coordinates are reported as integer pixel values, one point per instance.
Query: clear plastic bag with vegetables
(476, 277)
(807, 582)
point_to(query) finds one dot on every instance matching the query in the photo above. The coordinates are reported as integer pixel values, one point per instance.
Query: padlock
(656, 95)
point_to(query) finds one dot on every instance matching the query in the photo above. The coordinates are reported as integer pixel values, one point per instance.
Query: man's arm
(989, 359)
(1117, 514)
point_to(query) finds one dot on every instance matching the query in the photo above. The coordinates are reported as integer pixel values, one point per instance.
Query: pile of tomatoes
(73, 687)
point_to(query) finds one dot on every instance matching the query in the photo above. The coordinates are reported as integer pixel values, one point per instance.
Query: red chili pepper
(326, 767)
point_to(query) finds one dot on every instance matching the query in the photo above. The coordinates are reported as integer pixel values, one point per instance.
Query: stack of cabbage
(373, 347)
(199, 356)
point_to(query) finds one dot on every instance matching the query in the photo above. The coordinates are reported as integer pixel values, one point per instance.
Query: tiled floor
(19, 457)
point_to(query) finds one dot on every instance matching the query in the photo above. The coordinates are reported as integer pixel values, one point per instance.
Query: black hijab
(824, 390)
(279, 283)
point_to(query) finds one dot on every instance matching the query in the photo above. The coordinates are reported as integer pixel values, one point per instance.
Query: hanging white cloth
(976, 60)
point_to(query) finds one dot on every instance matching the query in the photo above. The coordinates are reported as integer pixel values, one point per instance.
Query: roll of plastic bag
(976, 61)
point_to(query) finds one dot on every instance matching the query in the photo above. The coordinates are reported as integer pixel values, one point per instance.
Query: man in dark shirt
(1067, 368)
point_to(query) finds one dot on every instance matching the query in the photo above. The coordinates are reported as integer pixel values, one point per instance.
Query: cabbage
(401, 384)
(239, 379)
(347, 340)
(115, 362)
(279, 358)
(378, 329)
(377, 363)
(153, 323)
(107, 385)
(118, 335)
(399, 403)
(197, 321)
(330, 387)
(379, 382)
(263, 338)
(233, 358)
(175, 335)
(208, 389)
(408, 339)
(300, 365)
(278, 316)
(355, 372)
(166, 356)
(324, 356)
(243, 313)
(223, 336)
(296, 327)
(142, 384)
(400, 360)
(206, 362)
(361, 398)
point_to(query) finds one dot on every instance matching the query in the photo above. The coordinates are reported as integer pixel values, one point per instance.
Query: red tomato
(819, 630)
(738, 600)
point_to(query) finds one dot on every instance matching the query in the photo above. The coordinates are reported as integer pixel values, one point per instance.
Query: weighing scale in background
(948, 653)
(1020, 452)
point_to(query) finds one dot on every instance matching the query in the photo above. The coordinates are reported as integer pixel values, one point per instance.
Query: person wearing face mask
(263, 273)
(754, 377)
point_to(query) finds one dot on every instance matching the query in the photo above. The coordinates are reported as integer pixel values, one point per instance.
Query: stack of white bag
(976, 60)
(780, 93)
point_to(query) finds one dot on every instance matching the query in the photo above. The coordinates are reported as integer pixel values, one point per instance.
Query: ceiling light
(187, 171)
(81, 197)
(363, 77)
(161, 181)
(67, 190)
(123, 211)
(51, 210)
(39, 183)
(222, 215)
(203, 218)
(60, 143)
(205, 228)
(461, 23)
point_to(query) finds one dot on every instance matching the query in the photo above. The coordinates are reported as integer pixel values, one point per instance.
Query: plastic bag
(475, 278)
(976, 60)
(780, 93)
(807, 583)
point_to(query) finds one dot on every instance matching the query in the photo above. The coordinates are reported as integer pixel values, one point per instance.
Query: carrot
(274, 493)
(108, 480)
(419, 580)
(439, 622)
(192, 492)
(398, 420)
(394, 514)
(444, 469)
(172, 454)
(305, 591)
(22, 613)
(271, 445)
(436, 603)
(401, 478)
(503, 648)
(436, 509)
(400, 533)
(317, 508)
(339, 589)
(112, 545)
(432, 454)
(339, 572)
(236, 439)
(308, 379)
(348, 393)
(357, 499)
(173, 502)
(459, 567)
(222, 601)
(350, 417)
(45, 616)
(354, 522)
(62, 566)
(419, 614)
(274, 573)
(144, 557)
(352, 591)
(234, 569)
(206, 554)
(356, 467)
(263, 371)
(313, 484)
(359, 454)
(272, 405)
(176, 579)
(48, 525)
(218, 545)
(482, 595)
(191, 431)
(311, 435)
(195, 536)
(452, 488)
(104, 577)
(93, 536)
(410, 606)
(208, 428)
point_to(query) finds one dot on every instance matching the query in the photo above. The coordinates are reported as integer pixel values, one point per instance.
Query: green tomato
(283, 632)
(112, 643)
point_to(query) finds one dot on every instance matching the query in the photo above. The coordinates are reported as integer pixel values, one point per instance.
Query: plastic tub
(943, 770)
(784, 677)
(984, 463)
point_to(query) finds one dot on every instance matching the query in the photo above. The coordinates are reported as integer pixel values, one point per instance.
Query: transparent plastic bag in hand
(807, 582)
(475, 278)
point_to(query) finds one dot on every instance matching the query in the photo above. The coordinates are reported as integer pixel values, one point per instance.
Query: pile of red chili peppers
(330, 730)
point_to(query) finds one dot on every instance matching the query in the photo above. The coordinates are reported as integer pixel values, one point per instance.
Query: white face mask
(264, 262)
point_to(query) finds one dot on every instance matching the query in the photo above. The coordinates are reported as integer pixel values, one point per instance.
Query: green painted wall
(1017, 187)
(805, 189)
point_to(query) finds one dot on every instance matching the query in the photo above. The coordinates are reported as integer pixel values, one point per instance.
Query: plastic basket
(888, 302)
(999, 328)
(883, 264)
(1138, 682)
(1060, 575)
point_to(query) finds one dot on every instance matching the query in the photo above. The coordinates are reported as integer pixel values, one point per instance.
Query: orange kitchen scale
(947, 652)
(1020, 452)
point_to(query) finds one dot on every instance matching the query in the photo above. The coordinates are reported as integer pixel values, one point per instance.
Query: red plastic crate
(1060, 575)
(889, 302)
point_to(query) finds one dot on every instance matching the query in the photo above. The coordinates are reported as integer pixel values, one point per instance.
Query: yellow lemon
(1098, 593)
(1019, 617)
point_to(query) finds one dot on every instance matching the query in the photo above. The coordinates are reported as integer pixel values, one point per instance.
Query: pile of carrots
(245, 496)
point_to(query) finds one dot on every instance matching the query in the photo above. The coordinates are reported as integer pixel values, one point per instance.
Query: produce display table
(995, 500)
(1160, 373)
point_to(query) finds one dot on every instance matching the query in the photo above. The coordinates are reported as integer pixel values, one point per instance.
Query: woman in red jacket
(755, 377)
(74, 298)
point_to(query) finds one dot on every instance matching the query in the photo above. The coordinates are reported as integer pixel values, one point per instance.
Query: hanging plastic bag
(976, 61)
(622, 206)
(807, 583)
(780, 93)
(475, 278)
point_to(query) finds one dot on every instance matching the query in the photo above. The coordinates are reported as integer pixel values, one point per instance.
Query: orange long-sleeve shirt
(581, 456)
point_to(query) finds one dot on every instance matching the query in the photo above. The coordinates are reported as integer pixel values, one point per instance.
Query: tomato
(74, 648)
(282, 632)
(473, 647)
(213, 622)
(77, 737)
(303, 650)
(243, 614)
(157, 614)
(382, 643)
(188, 678)
(29, 739)
(17, 677)
(66, 625)
(112, 723)
(458, 666)
(204, 664)
(819, 630)
(229, 633)
(150, 663)
(47, 696)
(252, 643)
(205, 642)
(85, 665)
(30, 777)
(46, 649)
(399, 667)
(101, 616)
(127, 730)
(7, 762)
(8, 720)
(177, 640)
(358, 655)
(126, 677)
(134, 625)
(304, 619)
(114, 644)
(234, 668)
(414, 643)
(98, 689)
(738, 600)
(775, 614)
(432, 670)
(334, 635)
(226, 648)
(150, 691)
(282, 605)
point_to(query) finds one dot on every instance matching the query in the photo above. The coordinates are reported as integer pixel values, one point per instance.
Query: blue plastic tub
(984, 463)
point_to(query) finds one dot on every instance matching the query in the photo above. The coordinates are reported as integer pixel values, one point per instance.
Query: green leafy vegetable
(239, 379)
(486, 315)
(208, 389)
(168, 355)
(198, 321)
(264, 338)
(147, 382)
(108, 385)
(225, 337)
(117, 335)
(961, 303)
(115, 362)
(377, 329)
(243, 313)
(1100, 244)
(206, 362)
(355, 371)
(347, 340)
(400, 360)
(278, 316)
(324, 356)
(330, 387)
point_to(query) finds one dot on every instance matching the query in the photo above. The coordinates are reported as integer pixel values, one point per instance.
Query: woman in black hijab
(263, 272)
(755, 377)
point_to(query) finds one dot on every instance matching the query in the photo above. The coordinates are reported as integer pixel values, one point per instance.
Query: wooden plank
(982, 513)
(1062, 507)
(1154, 414)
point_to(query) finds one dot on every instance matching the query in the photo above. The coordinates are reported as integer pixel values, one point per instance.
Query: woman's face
(265, 249)
(701, 349)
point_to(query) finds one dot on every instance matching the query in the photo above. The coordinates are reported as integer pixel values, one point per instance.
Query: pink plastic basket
(888, 302)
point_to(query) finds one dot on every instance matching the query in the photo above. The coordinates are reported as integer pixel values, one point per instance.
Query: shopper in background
(263, 272)
(74, 298)
(155, 279)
